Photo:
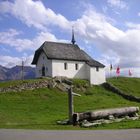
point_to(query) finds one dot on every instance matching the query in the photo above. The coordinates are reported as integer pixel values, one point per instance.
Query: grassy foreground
(41, 108)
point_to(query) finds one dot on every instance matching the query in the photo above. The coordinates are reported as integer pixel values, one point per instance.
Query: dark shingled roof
(65, 51)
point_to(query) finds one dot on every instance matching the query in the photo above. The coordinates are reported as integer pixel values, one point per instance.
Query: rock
(127, 117)
(25, 86)
(58, 79)
(61, 83)
(119, 119)
(68, 82)
(87, 124)
(134, 118)
(64, 122)
(111, 117)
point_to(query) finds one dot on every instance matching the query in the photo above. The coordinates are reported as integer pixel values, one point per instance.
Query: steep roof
(64, 51)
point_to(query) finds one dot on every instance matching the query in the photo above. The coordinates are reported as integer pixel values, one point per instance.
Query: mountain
(3, 71)
(16, 73)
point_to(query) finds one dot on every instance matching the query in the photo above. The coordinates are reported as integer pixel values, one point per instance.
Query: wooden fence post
(70, 102)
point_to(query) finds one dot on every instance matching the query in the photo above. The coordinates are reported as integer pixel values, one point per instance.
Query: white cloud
(139, 14)
(133, 25)
(5, 6)
(9, 61)
(45, 36)
(33, 13)
(28, 60)
(93, 25)
(120, 47)
(117, 4)
(11, 38)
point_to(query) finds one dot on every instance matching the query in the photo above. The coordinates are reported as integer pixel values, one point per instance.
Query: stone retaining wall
(62, 83)
(25, 86)
(114, 89)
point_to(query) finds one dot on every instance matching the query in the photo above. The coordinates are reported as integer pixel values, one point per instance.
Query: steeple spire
(73, 39)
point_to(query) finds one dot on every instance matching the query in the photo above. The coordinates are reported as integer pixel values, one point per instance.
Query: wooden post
(22, 70)
(70, 102)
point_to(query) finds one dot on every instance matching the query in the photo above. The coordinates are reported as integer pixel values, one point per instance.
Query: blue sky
(109, 30)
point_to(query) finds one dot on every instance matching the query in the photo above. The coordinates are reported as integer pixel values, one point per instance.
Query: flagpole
(22, 70)
(111, 69)
(110, 73)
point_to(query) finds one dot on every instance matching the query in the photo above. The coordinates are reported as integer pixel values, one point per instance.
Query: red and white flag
(130, 73)
(118, 70)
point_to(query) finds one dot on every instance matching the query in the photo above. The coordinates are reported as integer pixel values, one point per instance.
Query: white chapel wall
(97, 77)
(42, 60)
(71, 72)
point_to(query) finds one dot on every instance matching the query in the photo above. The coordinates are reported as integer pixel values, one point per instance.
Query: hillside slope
(130, 86)
(41, 108)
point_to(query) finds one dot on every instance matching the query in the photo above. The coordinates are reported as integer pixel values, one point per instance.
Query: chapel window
(65, 66)
(97, 68)
(76, 66)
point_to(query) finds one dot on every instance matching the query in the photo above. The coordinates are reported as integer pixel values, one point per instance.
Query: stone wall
(62, 83)
(114, 89)
(25, 86)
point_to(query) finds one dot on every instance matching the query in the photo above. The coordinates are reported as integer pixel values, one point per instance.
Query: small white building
(65, 59)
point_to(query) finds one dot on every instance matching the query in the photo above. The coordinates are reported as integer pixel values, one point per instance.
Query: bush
(80, 83)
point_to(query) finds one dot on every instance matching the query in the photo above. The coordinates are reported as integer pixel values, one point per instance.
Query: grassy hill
(41, 108)
(129, 85)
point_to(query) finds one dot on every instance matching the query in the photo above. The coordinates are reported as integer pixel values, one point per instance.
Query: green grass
(32, 108)
(41, 108)
(80, 83)
(129, 85)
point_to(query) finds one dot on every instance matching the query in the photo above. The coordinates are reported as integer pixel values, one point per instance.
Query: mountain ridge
(15, 73)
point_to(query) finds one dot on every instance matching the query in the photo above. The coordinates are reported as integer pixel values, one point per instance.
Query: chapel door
(43, 70)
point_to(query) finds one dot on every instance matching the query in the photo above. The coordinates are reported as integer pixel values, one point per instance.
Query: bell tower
(73, 38)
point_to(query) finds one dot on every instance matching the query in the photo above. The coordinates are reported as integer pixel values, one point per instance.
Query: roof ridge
(59, 42)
